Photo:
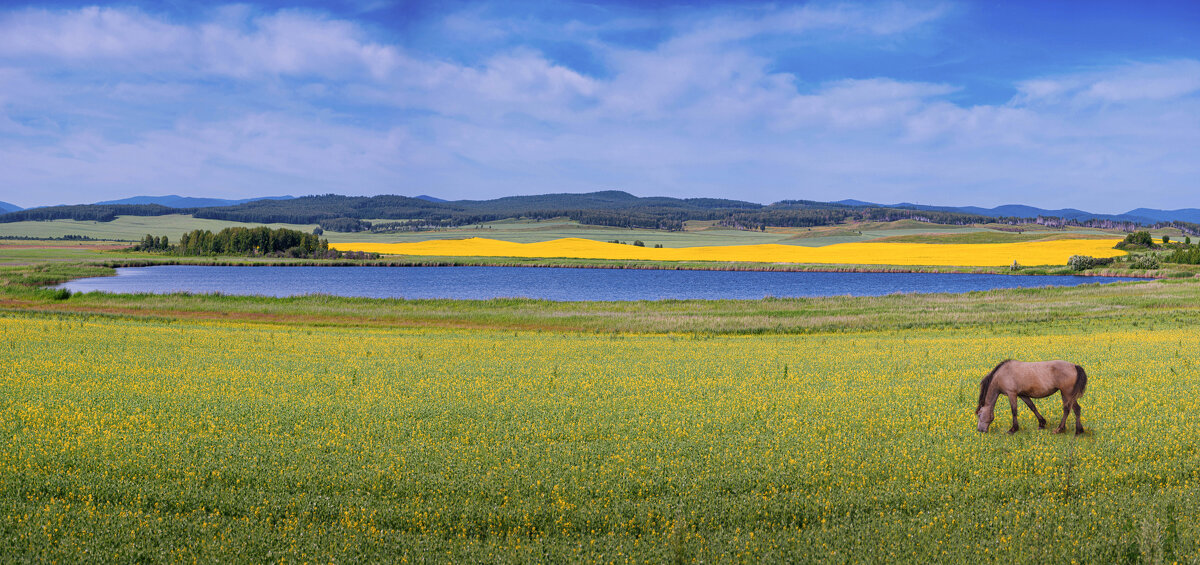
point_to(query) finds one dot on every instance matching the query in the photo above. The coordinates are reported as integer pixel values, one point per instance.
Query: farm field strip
(1053, 252)
(178, 440)
(134, 228)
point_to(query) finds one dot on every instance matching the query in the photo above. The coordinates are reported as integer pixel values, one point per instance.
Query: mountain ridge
(176, 201)
(1137, 215)
(610, 207)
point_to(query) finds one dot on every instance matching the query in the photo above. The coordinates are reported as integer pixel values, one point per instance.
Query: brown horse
(1018, 379)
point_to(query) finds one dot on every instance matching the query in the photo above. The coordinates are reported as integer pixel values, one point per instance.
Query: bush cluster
(1147, 261)
(1137, 240)
(1188, 255)
(1085, 262)
(243, 241)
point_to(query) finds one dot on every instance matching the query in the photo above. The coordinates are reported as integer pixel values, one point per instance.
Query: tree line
(90, 212)
(333, 212)
(243, 241)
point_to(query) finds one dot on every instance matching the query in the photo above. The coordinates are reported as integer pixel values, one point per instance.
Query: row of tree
(243, 241)
(90, 212)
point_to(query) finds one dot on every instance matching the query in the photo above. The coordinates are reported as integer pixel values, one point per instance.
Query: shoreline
(624, 264)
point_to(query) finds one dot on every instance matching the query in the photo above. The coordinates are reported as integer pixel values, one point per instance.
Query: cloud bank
(237, 101)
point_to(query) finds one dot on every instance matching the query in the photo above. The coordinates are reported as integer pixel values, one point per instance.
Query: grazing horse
(1018, 379)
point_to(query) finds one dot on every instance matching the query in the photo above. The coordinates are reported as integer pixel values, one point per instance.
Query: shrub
(1084, 262)
(1146, 261)
(1137, 240)
(1186, 255)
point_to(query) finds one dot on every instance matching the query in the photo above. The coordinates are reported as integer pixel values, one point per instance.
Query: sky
(1092, 105)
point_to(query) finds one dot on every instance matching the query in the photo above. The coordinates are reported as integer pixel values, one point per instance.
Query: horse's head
(984, 408)
(985, 414)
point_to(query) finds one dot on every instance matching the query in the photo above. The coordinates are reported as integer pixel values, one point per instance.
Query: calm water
(548, 283)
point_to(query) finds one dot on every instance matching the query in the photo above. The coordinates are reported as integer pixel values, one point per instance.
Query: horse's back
(1038, 379)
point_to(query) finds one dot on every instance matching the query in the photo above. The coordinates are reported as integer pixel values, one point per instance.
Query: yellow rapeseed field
(1054, 252)
(134, 441)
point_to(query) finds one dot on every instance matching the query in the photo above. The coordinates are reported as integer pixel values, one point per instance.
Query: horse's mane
(983, 385)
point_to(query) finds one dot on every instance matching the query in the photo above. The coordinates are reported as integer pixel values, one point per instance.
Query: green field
(170, 439)
(133, 228)
(219, 428)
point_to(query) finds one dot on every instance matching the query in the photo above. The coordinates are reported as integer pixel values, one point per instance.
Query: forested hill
(92, 212)
(608, 208)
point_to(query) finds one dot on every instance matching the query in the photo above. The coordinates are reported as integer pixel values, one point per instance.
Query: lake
(561, 284)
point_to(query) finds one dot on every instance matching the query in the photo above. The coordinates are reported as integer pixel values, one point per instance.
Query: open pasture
(134, 228)
(167, 439)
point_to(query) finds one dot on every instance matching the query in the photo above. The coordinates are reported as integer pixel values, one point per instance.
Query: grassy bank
(1121, 303)
(21, 290)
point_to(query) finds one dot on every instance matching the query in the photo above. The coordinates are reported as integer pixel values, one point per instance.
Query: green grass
(224, 428)
(176, 440)
(988, 236)
(1120, 303)
(128, 228)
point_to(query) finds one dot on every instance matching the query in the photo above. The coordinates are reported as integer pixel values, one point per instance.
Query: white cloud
(247, 103)
(296, 44)
(236, 44)
(1128, 83)
(88, 34)
(878, 19)
(862, 103)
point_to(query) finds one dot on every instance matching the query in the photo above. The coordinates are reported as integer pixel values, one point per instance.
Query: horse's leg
(1078, 424)
(1062, 425)
(1012, 401)
(1041, 420)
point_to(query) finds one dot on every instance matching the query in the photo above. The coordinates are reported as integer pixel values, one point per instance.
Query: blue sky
(1093, 105)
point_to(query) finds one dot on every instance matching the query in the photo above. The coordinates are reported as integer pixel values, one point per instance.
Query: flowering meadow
(167, 440)
(1051, 252)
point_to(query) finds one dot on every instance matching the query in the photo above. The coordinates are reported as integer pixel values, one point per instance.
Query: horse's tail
(1080, 381)
(986, 382)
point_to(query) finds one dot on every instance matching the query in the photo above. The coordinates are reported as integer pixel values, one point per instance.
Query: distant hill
(6, 207)
(852, 202)
(1139, 215)
(609, 208)
(90, 212)
(402, 213)
(173, 201)
(1182, 215)
(614, 208)
(606, 208)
